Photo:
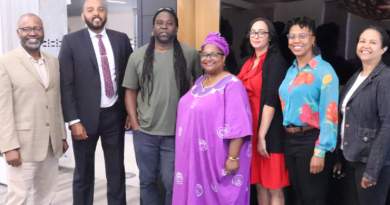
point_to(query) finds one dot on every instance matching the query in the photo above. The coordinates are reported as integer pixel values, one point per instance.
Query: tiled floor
(64, 194)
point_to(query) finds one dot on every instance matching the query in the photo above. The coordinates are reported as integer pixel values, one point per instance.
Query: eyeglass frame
(31, 29)
(299, 36)
(209, 55)
(258, 34)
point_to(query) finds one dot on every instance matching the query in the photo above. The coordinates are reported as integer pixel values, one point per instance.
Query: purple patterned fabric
(207, 118)
(216, 39)
(109, 87)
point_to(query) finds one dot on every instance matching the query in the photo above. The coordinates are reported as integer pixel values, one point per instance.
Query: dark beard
(93, 27)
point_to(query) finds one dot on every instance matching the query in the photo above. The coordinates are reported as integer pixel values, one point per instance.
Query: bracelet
(233, 158)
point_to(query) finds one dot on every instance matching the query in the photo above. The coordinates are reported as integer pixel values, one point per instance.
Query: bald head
(29, 17)
(92, 3)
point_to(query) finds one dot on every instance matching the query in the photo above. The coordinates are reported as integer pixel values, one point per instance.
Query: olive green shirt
(159, 116)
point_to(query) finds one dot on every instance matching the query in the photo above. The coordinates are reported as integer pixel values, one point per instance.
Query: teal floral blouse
(310, 97)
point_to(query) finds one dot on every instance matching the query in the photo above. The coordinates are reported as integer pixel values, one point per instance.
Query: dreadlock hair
(179, 64)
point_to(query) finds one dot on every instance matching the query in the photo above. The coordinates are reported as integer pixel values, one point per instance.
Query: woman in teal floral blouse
(309, 96)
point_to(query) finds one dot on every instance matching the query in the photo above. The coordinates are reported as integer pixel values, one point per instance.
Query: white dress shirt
(105, 101)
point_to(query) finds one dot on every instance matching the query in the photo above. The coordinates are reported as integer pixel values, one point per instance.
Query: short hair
(29, 15)
(385, 41)
(273, 36)
(303, 22)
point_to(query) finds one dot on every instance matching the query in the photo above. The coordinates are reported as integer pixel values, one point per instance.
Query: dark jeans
(309, 188)
(150, 150)
(375, 195)
(112, 134)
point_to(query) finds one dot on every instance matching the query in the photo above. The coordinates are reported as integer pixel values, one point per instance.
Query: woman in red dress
(262, 76)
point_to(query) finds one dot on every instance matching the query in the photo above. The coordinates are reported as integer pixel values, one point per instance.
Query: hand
(337, 171)
(128, 124)
(13, 158)
(316, 164)
(261, 147)
(134, 126)
(65, 145)
(367, 183)
(231, 166)
(78, 131)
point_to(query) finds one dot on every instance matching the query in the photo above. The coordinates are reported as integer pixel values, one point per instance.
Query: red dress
(270, 172)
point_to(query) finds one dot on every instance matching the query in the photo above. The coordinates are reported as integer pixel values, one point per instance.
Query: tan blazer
(30, 114)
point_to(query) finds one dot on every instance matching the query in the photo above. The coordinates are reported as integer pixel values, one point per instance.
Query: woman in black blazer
(262, 75)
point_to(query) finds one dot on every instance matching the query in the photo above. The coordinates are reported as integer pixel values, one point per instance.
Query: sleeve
(381, 142)
(9, 139)
(67, 81)
(196, 66)
(238, 119)
(277, 73)
(328, 111)
(131, 80)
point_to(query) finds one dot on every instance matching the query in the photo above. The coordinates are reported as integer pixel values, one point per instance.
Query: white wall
(75, 23)
(121, 19)
(313, 9)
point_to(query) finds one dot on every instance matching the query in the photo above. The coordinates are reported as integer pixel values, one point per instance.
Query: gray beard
(29, 46)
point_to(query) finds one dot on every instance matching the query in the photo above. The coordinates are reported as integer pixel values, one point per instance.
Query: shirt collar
(41, 59)
(93, 34)
(312, 63)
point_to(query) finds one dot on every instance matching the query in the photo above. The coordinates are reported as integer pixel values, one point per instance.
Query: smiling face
(369, 48)
(30, 41)
(259, 43)
(95, 15)
(212, 65)
(165, 28)
(301, 47)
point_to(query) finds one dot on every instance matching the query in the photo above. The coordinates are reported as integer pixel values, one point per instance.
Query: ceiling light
(118, 2)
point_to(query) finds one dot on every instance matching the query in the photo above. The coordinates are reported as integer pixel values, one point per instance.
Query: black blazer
(80, 78)
(274, 72)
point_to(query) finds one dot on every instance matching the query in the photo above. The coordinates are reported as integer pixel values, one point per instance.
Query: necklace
(203, 87)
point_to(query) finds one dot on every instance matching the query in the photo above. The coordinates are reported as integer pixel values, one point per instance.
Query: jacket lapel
(89, 47)
(50, 66)
(26, 62)
(368, 80)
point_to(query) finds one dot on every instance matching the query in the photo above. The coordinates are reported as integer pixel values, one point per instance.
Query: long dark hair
(273, 36)
(179, 65)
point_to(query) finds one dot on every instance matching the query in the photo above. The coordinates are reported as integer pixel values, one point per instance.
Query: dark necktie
(106, 69)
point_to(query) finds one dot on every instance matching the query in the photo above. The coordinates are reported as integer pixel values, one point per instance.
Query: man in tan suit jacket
(32, 129)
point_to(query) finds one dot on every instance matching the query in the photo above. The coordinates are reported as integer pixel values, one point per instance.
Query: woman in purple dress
(213, 135)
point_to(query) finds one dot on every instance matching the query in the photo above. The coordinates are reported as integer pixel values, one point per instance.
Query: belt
(102, 109)
(294, 129)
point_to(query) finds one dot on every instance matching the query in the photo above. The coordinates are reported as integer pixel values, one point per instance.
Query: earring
(312, 45)
(152, 33)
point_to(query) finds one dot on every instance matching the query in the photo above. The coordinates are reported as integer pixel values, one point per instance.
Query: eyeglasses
(300, 36)
(261, 34)
(28, 30)
(211, 55)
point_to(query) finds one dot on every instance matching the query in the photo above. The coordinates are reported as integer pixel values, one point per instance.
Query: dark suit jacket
(274, 72)
(80, 79)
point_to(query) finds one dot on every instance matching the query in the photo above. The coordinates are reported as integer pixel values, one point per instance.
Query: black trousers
(111, 132)
(309, 189)
(356, 195)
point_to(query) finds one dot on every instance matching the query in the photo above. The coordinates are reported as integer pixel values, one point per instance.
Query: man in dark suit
(92, 66)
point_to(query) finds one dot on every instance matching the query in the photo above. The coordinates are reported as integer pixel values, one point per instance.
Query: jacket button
(347, 125)
(348, 108)
(365, 139)
(47, 107)
(47, 124)
(345, 143)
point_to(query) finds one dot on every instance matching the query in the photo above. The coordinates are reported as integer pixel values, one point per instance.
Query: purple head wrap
(216, 39)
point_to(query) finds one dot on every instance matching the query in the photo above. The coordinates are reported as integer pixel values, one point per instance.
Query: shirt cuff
(74, 122)
(319, 153)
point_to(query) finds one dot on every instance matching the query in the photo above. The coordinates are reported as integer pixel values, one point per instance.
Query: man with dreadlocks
(157, 75)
